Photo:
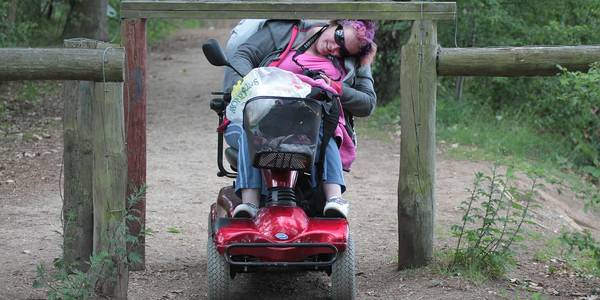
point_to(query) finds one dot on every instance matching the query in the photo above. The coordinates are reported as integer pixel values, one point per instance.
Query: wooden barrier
(78, 164)
(418, 81)
(61, 64)
(416, 243)
(95, 183)
(515, 61)
(210, 9)
(134, 101)
(110, 185)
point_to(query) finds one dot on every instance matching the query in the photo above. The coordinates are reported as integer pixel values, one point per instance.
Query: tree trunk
(12, 12)
(87, 19)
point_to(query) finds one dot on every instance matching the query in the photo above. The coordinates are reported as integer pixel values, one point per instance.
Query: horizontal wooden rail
(212, 9)
(61, 64)
(515, 61)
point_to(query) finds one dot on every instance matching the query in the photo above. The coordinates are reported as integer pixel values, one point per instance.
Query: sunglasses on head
(339, 39)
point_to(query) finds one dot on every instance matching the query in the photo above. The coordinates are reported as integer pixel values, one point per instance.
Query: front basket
(282, 132)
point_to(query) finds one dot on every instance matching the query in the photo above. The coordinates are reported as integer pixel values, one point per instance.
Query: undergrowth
(66, 281)
(584, 247)
(467, 129)
(491, 226)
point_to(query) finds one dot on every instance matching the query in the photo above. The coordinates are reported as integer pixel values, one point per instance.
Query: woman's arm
(253, 51)
(360, 98)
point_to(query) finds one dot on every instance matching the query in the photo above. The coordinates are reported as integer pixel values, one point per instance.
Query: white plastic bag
(266, 81)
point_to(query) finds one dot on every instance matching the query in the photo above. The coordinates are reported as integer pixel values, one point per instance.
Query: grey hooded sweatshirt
(358, 96)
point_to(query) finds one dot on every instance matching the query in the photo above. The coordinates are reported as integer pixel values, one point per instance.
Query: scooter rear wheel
(219, 277)
(343, 281)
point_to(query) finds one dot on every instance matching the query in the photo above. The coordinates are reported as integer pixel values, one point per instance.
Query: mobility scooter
(289, 231)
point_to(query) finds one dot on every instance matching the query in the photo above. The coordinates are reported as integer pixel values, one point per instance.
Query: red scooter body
(275, 224)
(283, 225)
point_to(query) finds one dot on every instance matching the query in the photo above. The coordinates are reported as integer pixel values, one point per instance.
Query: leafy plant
(583, 242)
(67, 282)
(492, 224)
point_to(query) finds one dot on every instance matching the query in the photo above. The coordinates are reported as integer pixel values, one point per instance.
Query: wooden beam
(134, 41)
(515, 61)
(61, 64)
(416, 202)
(110, 188)
(212, 9)
(78, 161)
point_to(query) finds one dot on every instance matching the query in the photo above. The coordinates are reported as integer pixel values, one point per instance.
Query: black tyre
(343, 281)
(219, 278)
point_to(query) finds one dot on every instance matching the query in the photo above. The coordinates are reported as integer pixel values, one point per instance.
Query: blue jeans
(250, 177)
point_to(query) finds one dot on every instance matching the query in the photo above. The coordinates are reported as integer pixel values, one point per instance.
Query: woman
(341, 52)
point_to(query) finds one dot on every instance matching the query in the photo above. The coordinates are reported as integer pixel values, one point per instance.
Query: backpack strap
(277, 61)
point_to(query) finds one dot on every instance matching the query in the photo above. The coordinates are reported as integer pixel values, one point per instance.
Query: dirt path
(182, 184)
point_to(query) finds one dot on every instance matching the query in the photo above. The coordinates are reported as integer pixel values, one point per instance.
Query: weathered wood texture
(61, 64)
(418, 82)
(134, 41)
(212, 9)
(515, 61)
(110, 186)
(78, 160)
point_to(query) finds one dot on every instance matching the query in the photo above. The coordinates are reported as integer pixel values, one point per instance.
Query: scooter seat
(231, 155)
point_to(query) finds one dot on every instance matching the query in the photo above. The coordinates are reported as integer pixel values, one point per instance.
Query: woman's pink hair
(365, 31)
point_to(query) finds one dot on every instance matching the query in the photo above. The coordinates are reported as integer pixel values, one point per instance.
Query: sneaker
(336, 208)
(245, 210)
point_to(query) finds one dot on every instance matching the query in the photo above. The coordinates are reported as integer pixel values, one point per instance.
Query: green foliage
(575, 114)
(391, 35)
(156, 30)
(32, 23)
(492, 224)
(36, 23)
(578, 251)
(67, 282)
(585, 244)
(553, 120)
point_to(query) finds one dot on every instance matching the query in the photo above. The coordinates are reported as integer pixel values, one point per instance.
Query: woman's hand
(335, 85)
(369, 57)
(327, 79)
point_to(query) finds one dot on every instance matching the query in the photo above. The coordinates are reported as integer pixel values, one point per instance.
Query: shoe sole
(243, 215)
(334, 213)
(240, 212)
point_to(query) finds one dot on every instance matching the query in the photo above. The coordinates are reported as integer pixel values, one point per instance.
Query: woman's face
(328, 44)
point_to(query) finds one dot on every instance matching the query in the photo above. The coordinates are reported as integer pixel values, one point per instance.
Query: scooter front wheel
(343, 281)
(219, 277)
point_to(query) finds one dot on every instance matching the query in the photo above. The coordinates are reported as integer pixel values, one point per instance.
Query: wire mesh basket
(282, 132)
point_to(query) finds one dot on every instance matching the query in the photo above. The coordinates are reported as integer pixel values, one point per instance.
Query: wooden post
(134, 101)
(110, 187)
(78, 161)
(416, 203)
